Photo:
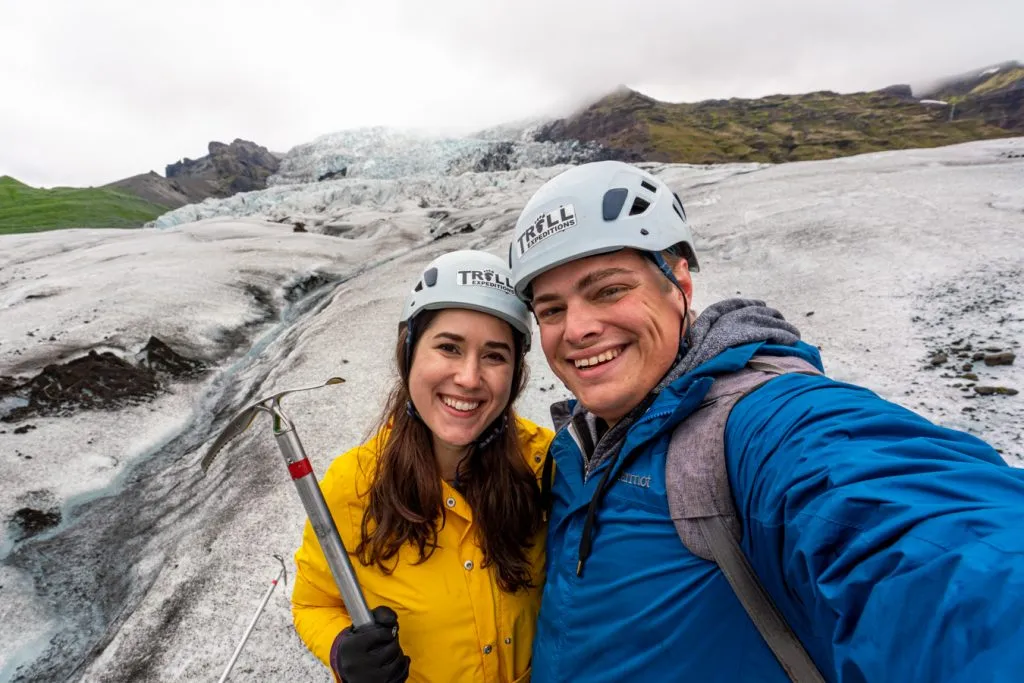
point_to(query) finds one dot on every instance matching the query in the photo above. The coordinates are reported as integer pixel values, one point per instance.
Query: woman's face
(461, 375)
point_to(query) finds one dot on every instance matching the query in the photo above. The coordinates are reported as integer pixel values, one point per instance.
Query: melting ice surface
(155, 569)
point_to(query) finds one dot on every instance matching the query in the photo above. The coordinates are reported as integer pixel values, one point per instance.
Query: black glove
(371, 654)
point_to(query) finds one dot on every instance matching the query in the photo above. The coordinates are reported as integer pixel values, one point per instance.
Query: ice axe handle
(323, 525)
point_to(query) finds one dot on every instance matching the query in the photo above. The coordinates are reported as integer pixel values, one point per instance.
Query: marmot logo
(485, 278)
(546, 225)
(641, 480)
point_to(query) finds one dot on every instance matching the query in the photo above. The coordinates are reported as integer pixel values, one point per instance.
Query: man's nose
(580, 324)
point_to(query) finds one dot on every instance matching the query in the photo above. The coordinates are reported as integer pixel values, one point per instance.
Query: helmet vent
(419, 286)
(647, 186)
(639, 206)
(611, 204)
(678, 206)
(430, 277)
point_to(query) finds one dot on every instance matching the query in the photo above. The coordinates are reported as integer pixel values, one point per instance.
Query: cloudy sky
(96, 90)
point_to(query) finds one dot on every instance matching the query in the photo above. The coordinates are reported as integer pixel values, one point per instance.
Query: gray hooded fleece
(728, 323)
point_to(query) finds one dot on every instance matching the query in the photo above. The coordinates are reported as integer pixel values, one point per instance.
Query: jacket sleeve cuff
(334, 656)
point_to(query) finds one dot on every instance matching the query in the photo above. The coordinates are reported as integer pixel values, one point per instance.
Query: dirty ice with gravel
(124, 352)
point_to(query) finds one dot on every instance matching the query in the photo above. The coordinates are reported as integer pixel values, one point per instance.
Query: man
(891, 546)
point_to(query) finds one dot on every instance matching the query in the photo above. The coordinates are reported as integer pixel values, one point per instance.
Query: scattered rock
(161, 359)
(8, 384)
(990, 391)
(97, 381)
(24, 429)
(1001, 358)
(331, 175)
(305, 285)
(27, 522)
(971, 376)
(938, 358)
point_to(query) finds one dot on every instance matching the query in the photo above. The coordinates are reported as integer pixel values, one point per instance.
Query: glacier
(381, 152)
(154, 569)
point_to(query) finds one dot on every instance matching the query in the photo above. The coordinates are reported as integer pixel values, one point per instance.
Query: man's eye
(548, 312)
(611, 291)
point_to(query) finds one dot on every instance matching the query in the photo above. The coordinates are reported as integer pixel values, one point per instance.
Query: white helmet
(597, 208)
(475, 280)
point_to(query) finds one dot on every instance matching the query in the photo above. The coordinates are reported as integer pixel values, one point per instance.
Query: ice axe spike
(312, 497)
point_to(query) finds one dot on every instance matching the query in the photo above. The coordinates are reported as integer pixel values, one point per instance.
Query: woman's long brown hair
(404, 500)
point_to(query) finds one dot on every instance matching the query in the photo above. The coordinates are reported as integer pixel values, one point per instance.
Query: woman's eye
(448, 348)
(497, 357)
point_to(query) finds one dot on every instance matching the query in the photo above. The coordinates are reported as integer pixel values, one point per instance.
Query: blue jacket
(894, 548)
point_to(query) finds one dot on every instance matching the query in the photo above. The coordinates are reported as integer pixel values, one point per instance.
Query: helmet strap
(489, 435)
(684, 334)
(666, 270)
(410, 334)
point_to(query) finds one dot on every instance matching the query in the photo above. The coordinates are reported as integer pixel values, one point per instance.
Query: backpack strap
(704, 513)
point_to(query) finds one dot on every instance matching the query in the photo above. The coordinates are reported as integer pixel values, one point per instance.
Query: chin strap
(489, 435)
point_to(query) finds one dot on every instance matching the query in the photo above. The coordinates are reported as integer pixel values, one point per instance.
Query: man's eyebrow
(599, 275)
(543, 299)
(588, 280)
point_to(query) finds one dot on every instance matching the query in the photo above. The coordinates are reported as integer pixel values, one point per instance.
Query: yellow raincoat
(455, 623)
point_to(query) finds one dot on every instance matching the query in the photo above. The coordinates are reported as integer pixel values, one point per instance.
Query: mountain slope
(29, 209)
(241, 166)
(152, 187)
(994, 95)
(777, 128)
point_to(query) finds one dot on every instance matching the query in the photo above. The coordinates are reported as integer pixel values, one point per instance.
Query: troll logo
(485, 278)
(546, 225)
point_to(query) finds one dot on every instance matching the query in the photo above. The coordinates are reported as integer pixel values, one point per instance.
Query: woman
(441, 509)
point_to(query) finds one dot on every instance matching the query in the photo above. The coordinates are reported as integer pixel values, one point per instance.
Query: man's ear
(682, 272)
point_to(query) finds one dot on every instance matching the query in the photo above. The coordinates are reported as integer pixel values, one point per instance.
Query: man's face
(610, 327)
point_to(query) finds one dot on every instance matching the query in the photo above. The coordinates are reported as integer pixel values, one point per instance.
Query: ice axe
(312, 497)
(252, 624)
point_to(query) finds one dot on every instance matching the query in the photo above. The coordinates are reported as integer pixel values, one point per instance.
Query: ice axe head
(240, 422)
